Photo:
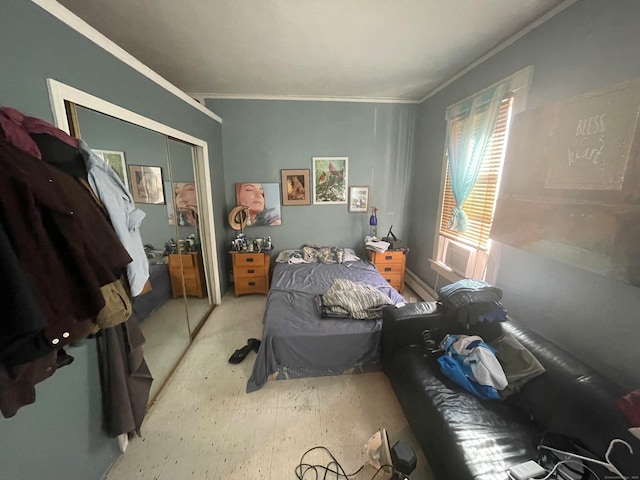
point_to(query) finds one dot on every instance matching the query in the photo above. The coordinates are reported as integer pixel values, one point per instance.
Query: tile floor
(204, 426)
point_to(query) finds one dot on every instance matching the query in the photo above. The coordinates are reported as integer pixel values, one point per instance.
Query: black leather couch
(464, 437)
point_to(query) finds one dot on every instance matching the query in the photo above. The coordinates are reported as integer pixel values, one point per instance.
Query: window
(464, 254)
(480, 204)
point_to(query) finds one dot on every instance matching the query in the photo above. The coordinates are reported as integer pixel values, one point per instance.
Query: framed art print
(358, 199)
(330, 180)
(146, 184)
(296, 189)
(263, 202)
(116, 161)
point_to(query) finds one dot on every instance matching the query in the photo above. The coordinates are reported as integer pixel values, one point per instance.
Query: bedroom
(538, 291)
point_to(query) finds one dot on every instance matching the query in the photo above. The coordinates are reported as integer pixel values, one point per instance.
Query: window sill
(445, 271)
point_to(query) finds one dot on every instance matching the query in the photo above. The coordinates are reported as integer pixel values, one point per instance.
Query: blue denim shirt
(123, 213)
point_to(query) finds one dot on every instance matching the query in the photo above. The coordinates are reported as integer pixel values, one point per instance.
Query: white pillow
(285, 255)
(350, 255)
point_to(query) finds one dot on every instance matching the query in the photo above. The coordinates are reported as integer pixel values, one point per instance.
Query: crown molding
(83, 28)
(299, 98)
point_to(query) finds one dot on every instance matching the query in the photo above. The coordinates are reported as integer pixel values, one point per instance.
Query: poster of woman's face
(263, 200)
(182, 206)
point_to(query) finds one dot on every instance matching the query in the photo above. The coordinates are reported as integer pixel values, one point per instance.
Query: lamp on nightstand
(373, 221)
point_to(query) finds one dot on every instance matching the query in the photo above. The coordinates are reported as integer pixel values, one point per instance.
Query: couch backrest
(573, 399)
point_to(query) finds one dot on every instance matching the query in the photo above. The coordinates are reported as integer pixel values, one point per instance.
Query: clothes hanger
(608, 464)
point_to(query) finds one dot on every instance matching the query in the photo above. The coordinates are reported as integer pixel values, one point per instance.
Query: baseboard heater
(420, 287)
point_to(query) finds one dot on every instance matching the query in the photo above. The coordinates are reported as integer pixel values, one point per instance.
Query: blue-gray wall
(59, 436)
(261, 137)
(590, 45)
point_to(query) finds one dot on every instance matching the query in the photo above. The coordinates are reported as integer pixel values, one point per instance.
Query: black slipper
(240, 354)
(254, 343)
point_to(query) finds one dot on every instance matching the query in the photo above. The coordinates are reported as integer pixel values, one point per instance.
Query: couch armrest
(403, 326)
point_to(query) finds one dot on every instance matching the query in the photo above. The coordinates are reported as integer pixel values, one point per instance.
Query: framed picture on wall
(263, 200)
(296, 189)
(146, 184)
(358, 199)
(330, 180)
(116, 161)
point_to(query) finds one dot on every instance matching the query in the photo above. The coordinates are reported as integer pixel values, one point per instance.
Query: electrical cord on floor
(555, 468)
(332, 470)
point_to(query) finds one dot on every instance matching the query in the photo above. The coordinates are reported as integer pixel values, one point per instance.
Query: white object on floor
(123, 441)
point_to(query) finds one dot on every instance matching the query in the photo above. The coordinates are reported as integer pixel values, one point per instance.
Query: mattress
(298, 342)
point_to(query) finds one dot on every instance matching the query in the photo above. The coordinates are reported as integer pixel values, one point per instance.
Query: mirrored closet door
(160, 173)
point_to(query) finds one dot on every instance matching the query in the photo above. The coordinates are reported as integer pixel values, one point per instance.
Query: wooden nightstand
(190, 266)
(250, 272)
(390, 264)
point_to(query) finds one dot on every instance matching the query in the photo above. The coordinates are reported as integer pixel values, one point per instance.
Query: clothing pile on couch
(550, 394)
(472, 362)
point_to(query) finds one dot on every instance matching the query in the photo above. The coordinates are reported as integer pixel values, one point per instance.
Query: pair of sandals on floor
(241, 353)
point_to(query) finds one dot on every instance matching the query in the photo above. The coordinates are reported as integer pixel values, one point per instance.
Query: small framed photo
(296, 189)
(146, 184)
(116, 161)
(358, 199)
(330, 180)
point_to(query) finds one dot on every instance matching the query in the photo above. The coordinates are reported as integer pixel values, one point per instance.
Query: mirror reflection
(160, 174)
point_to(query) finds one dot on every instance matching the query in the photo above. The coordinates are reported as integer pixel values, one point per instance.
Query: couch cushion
(462, 436)
(573, 399)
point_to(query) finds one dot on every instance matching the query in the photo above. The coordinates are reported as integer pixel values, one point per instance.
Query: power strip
(527, 470)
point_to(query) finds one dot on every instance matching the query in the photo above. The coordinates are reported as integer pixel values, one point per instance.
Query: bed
(297, 342)
(145, 304)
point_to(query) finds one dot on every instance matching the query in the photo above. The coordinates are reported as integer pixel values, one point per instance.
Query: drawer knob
(388, 257)
(251, 271)
(387, 269)
(249, 259)
(251, 284)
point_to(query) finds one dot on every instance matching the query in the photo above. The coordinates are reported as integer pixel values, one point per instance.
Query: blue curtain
(470, 125)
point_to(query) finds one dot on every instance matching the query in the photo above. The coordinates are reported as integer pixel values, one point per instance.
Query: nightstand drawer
(249, 270)
(251, 285)
(385, 258)
(395, 279)
(390, 268)
(248, 259)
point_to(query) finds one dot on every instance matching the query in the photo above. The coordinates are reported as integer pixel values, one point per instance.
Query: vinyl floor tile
(203, 425)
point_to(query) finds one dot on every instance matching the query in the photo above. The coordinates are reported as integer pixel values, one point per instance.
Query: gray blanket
(297, 342)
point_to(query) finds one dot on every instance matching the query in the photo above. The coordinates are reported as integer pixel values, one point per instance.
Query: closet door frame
(59, 93)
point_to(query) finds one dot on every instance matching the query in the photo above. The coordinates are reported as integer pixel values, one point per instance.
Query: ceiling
(351, 49)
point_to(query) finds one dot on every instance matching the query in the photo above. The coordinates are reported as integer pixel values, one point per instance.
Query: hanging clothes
(18, 128)
(124, 215)
(125, 379)
(64, 238)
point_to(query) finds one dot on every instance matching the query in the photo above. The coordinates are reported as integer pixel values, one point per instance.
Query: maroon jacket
(67, 248)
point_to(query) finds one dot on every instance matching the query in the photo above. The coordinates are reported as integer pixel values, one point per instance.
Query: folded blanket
(330, 312)
(361, 301)
(466, 292)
